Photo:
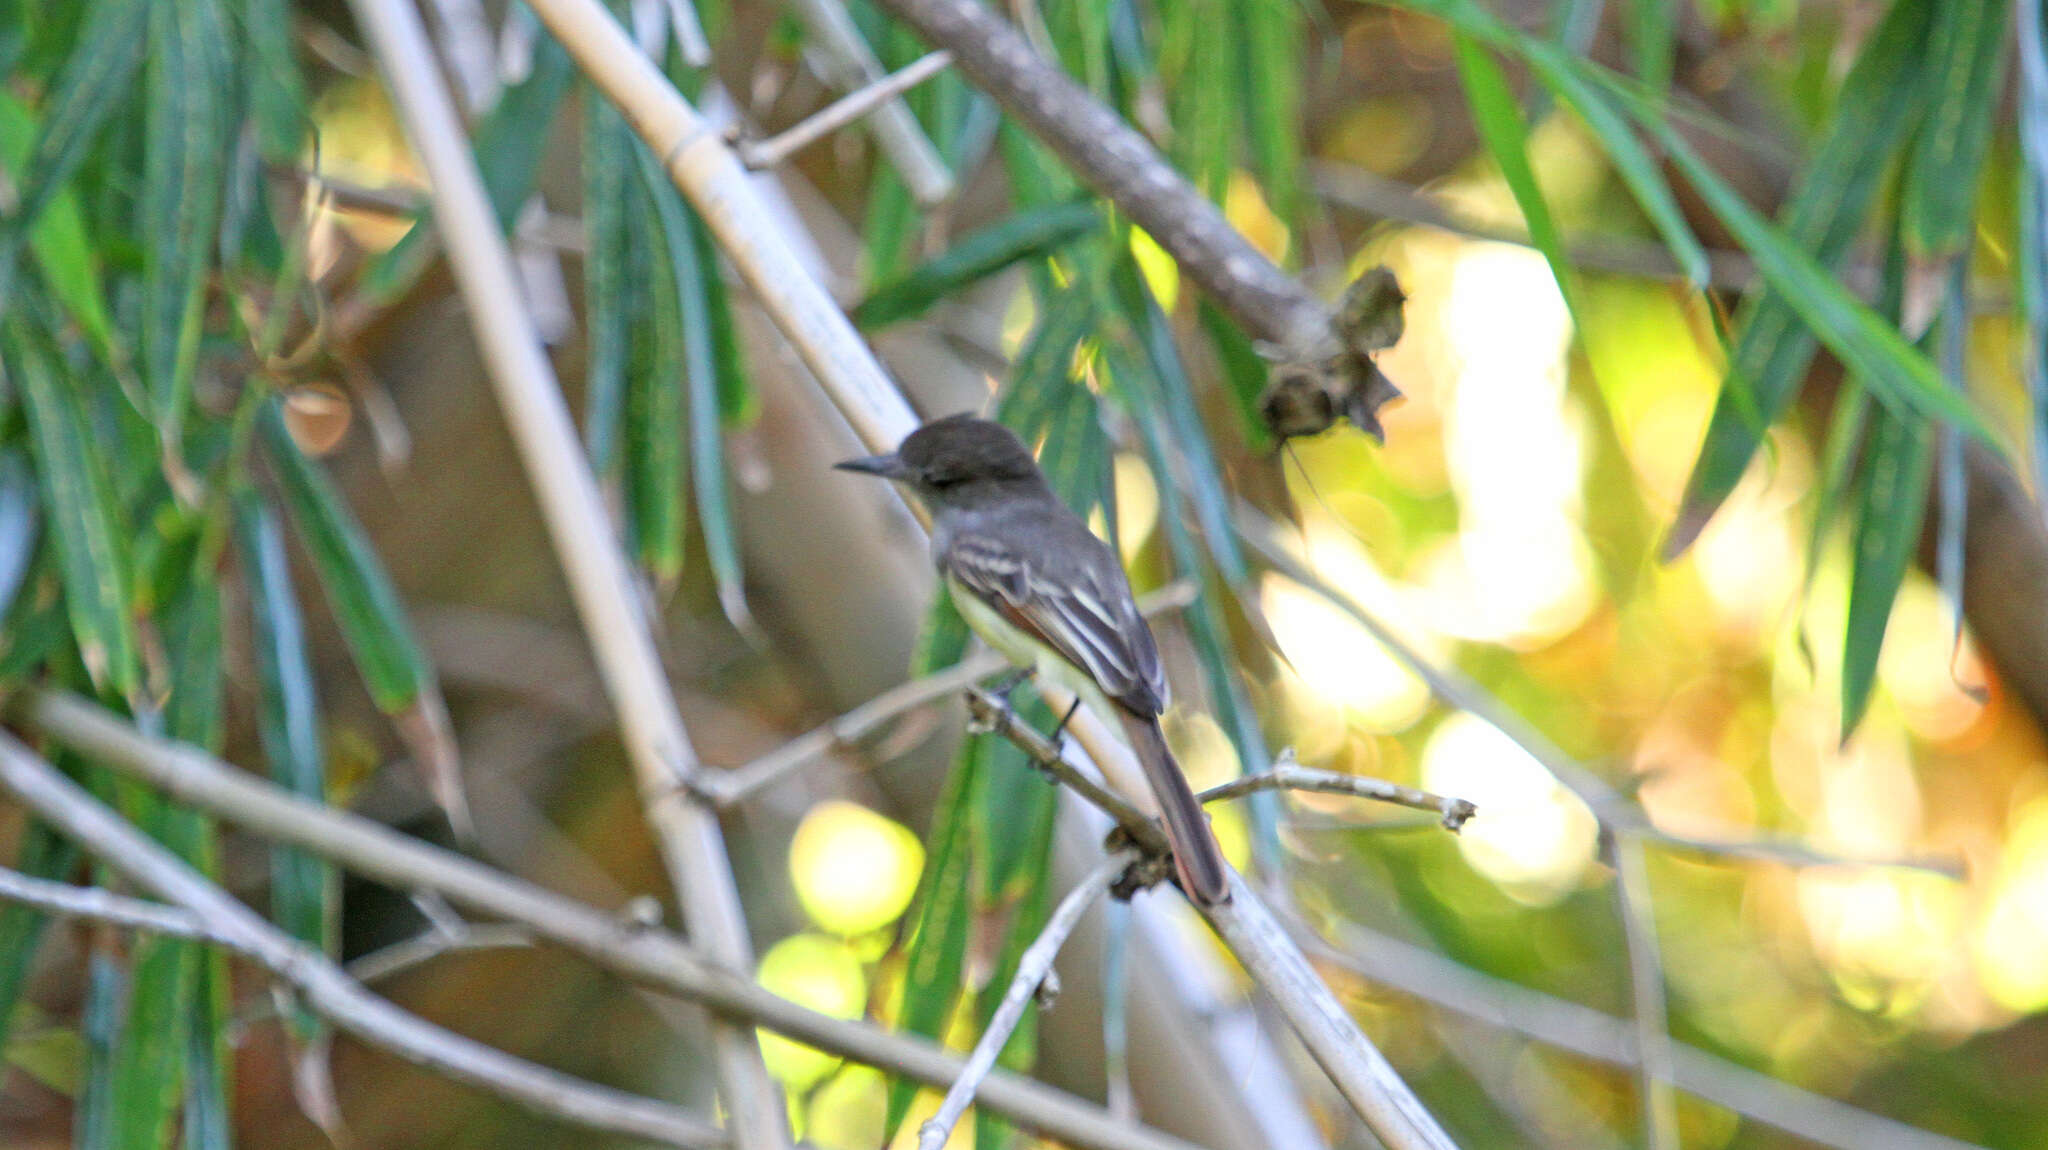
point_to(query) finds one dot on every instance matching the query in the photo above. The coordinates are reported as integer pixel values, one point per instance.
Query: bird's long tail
(1203, 874)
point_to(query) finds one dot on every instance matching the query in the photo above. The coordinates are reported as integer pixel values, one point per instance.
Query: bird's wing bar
(1096, 628)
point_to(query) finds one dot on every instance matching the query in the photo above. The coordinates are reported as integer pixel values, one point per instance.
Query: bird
(1040, 588)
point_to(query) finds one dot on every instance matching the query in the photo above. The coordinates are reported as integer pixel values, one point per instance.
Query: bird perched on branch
(1030, 578)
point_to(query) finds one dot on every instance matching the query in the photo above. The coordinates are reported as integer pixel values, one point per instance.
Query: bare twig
(1000, 720)
(1603, 1038)
(1652, 1013)
(1352, 187)
(1357, 1068)
(328, 990)
(1114, 159)
(720, 188)
(1032, 970)
(647, 956)
(659, 747)
(843, 111)
(63, 900)
(727, 788)
(1288, 775)
(844, 60)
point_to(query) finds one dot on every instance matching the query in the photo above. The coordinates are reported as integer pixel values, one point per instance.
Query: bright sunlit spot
(1532, 836)
(1892, 925)
(1520, 571)
(824, 974)
(2013, 939)
(854, 870)
(1338, 660)
(1922, 667)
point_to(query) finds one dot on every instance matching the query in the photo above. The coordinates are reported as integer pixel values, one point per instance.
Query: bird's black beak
(889, 466)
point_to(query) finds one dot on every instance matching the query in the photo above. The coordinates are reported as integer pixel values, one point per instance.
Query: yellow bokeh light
(1889, 925)
(824, 974)
(1921, 665)
(1137, 505)
(1532, 836)
(848, 1112)
(1245, 206)
(1338, 660)
(854, 870)
(2013, 937)
(1520, 571)
(1161, 273)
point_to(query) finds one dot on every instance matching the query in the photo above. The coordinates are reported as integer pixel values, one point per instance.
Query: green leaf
(57, 239)
(43, 854)
(1190, 437)
(1651, 28)
(1879, 103)
(738, 406)
(655, 407)
(288, 713)
(937, 953)
(20, 523)
(1043, 372)
(366, 607)
(277, 92)
(706, 350)
(1966, 60)
(611, 308)
(1199, 51)
(1029, 234)
(94, 81)
(1245, 374)
(91, 549)
(187, 82)
(106, 993)
(508, 149)
(1010, 803)
(1030, 882)
(1269, 35)
(1499, 120)
(942, 640)
(148, 1075)
(1892, 498)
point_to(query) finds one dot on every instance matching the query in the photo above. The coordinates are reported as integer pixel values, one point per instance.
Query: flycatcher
(1038, 586)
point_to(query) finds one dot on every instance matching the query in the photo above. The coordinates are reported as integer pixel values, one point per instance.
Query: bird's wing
(1083, 610)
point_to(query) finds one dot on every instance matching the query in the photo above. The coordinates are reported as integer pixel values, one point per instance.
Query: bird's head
(957, 461)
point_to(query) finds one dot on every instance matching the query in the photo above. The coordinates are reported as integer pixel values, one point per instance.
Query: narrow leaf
(1966, 63)
(106, 995)
(1893, 498)
(277, 92)
(738, 406)
(288, 713)
(91, 551)
(1651, 29)
(20, 520)
(367, 610)
(1499, 120)
(1245, 374)
(610, 308)
(937, 953)
(94, 81)
(187, 84)
(1029, 234)
(1875, 113)
(704, 368)
(1269, 37)
(43, 854)
(655, 407)
(1030, 882)
(63, 254)
(148, 1075)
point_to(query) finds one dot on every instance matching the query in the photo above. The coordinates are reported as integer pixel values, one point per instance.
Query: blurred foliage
(179, 306)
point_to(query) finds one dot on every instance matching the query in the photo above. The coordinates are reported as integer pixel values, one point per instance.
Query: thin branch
(63, 900)
(729, 788)
(1603, 1038)
(412, 953)
(1288, 775)
(1652, 1013)
(327, 989)
(843, 111)
(658, 746)
(1032, 971)
(708, 172)
(1354, 1065)
(1001, 720)
(646, 956)
(1118, 162)
(845, 61)
(1352, 187)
